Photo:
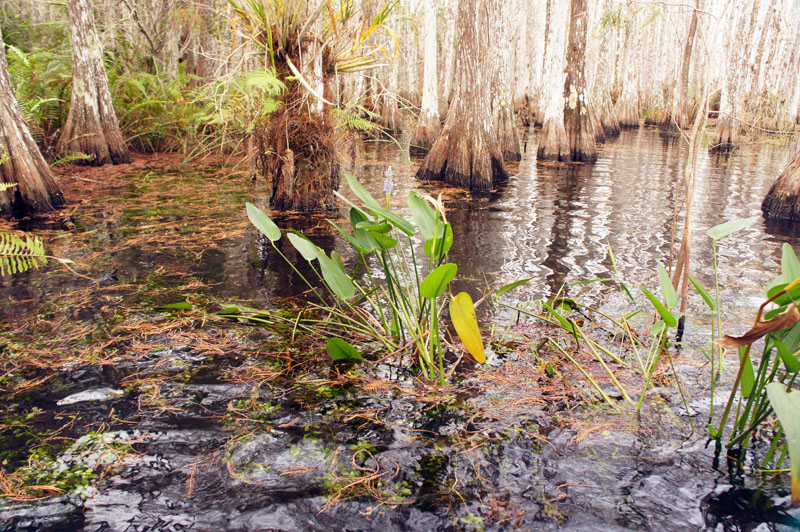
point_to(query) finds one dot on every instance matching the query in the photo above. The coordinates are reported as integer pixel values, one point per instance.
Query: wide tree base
(627, 115)
(727, 137)
(464, 161)
(782, 202)
(553, 143)
(424, 135)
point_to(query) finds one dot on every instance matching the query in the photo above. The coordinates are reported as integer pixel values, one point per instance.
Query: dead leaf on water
(783, 320)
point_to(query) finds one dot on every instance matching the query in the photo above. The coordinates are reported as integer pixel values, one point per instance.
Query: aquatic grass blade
(787, 407)
(182, 305)
(262, 222)
(307, 249)
(341, 350)
(790, 361)
(462, 313)
(423, 215)
(703, 292)
(722, 230)
(667, 290)
(435, 283)
(511, 286)
(337, 279)
(665, 314)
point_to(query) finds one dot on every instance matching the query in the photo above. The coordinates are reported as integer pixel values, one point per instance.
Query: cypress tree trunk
(782, 202)
(390, 114)
(502, 95)
(429, 124)
(727, 131)
(577, 117)
(553, 141)
(467, 153)
(36, 190)
(91, 126)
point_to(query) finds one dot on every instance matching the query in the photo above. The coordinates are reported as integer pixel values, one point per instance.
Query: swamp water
(207, 426)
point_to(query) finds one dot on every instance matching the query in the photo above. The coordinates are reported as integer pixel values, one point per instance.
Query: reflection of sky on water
(554, 222)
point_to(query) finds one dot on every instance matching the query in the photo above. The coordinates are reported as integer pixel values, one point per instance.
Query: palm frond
(17, 255)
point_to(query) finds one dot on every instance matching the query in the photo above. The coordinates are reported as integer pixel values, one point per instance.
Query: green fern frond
(6, 186)
(17, 255)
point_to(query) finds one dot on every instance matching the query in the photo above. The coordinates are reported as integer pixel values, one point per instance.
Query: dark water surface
(213, 450)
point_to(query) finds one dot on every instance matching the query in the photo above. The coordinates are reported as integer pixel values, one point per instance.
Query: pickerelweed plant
(385, 297)
(759, 392)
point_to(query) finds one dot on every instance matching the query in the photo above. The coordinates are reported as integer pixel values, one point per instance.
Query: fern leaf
(17, 255)
(6, 186)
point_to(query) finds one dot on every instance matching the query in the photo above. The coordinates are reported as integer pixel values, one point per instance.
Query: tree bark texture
(553, 141)
(782, 202)
(91, 127)
(577, 118)
(36, 190)
(429, 124)
(467, 153)
(727, 131)
(502, 94)
(626, 108)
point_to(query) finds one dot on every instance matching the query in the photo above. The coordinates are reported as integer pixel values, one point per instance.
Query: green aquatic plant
(787, 407)
(386, 297)
(755, 389)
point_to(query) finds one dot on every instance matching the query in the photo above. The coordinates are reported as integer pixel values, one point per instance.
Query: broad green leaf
(510, 286)
(665, 314)
(462, 313)
(262, 222)
(787, 407)
(438, 247)
(398, 221)
(703, 292)
(183, 305)
(724, 229)
(336, 277)
(307, 248)
(341, 350)
(658, 327)
(372, 226)
(350, 238)
(789, 360)
(668, 291)
(357, 216)
(423, 215)
(435, 283)
(748, 375)
(366, 240)
(384, 241)
(792, 295)
(792, 337)
(361, 192)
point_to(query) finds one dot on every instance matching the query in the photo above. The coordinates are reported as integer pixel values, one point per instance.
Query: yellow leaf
(462, 312)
